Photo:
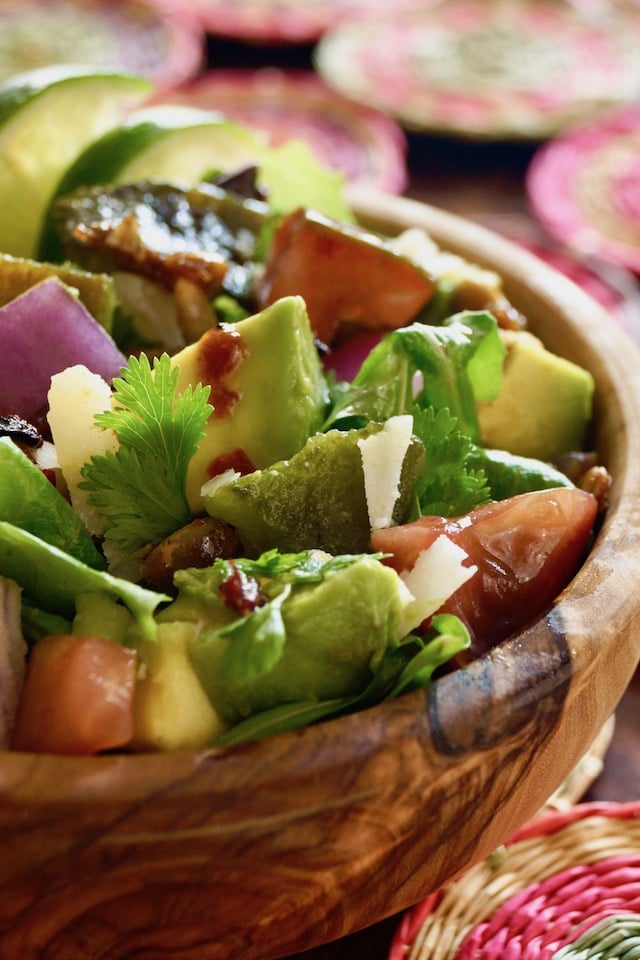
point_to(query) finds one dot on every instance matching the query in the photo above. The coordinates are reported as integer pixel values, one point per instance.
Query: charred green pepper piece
(161, 230)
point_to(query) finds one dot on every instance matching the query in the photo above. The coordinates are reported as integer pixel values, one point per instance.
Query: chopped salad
(262, 467)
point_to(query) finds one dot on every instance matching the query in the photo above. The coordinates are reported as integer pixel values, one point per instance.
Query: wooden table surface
(484, 182)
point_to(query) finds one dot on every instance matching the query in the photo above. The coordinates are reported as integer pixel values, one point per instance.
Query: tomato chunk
(77, 697)
(346, 277)
(526, 549)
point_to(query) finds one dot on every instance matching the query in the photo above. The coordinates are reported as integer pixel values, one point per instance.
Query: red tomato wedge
(526, 549)
(77, 697)
(345, 276)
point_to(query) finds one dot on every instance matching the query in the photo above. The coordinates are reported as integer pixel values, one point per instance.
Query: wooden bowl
(273, 847)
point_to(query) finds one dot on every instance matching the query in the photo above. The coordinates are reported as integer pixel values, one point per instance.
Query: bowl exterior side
(276, 846)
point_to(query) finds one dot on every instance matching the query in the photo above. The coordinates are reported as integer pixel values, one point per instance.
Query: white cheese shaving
(437, 573)
(383, 454)
(221, 480)
(75, 396)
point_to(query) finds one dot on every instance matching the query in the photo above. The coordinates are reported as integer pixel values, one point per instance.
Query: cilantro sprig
(140, 488)
(451, 483)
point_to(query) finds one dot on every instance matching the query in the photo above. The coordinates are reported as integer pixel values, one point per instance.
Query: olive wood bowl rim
(589, 330)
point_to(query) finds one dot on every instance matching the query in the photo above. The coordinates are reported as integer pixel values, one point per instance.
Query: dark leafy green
(459, 364)
(407, 667)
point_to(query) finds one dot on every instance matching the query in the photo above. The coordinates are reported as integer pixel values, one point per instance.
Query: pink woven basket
(565, 887)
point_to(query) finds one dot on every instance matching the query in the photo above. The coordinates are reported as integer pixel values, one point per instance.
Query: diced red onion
(346, 359)
(43, 331)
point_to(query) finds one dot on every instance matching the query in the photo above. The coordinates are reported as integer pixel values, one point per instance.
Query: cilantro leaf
(140, 488)
(449, 485)
(308, 566)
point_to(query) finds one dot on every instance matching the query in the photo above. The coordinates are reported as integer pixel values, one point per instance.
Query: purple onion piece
(43, 331)
(345, 360)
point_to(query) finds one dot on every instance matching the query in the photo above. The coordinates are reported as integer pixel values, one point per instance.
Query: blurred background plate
(584, 188)
(509, 69)
(284, 21)
(613, 286)
(367, 146)
(132, 36)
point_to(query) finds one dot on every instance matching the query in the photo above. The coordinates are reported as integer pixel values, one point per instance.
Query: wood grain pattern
(272, 847)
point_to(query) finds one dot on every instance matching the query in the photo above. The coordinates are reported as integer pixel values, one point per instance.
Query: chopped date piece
(242, 593)
(587, 473)
(150, 249)
(576, 463)
(197, 544)
(471, 294)
(21, 431)
(597, 481)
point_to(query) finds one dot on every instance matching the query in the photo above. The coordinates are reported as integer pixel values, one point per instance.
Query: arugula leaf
(448, 637)
(51, 579)
(460, 363)
(449, 485)
(140, 489)
(382, 388)
(405, 668)
(257, 642)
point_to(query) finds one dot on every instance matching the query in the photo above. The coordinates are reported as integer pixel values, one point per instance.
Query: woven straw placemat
(565, 887)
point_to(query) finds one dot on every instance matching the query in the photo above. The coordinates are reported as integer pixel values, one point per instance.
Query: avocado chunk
(95, 290)
(268, 391)
(315, 500)
(324, 640)
(171, 709)
(510, 475)
(544, 406)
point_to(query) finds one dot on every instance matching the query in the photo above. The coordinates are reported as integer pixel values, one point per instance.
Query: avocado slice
(545, 404)
(171, 709)
(95, 290)
(269, 392)
(359, 606)
(316, 499)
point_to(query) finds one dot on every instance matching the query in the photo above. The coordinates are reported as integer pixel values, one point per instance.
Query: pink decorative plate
(565, 887)
(364, 144)
(584, 187)
(506, 69)
(132, 36)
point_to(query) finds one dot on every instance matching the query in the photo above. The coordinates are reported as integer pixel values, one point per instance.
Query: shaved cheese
(74, 397)
(208, 488)
(383, 454)
(437, 573)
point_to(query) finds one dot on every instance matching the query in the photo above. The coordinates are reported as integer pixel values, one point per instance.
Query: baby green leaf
(140, 489)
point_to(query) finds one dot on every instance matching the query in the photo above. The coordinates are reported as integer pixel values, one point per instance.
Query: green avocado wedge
(316, 499)
(47, 116)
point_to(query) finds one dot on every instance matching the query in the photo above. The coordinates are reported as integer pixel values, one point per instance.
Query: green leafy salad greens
(285, 637)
